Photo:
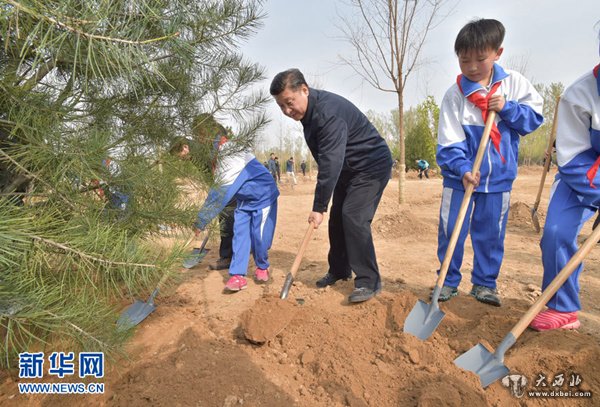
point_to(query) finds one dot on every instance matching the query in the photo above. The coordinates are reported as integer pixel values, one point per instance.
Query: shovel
(289, 279)
(489, 366)
(534, 215)
(424, 319)
(196, 255)
(139, 310)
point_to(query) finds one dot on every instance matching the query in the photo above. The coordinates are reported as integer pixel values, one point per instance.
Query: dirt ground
(192, 351)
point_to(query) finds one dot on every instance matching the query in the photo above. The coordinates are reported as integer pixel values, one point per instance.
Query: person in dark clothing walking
(354, 166)
(272, 166)
(303, 168)
(278, 169)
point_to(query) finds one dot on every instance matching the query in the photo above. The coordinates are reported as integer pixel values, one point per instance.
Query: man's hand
(468, 178)
(496, 103)
(197, 231)
(315, 218)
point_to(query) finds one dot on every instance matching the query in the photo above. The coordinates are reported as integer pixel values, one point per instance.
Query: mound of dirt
(399, 225)
(266, 318)
(520, 215)
(198, 373)
(388, 367)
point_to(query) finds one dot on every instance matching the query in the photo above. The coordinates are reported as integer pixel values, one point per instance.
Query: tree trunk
(401, 149)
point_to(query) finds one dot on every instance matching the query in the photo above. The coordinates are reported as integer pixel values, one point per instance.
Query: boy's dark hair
(178, 144)
(206, 128)
(480, 35)
(292, 78)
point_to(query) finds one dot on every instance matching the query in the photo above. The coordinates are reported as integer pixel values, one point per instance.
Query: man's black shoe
(220, 264)
(363, 293)
(330, 279)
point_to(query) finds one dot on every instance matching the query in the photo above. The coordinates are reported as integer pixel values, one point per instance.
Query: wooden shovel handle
(466, 199)
(558, 281)
(548, 156)
(300, 254)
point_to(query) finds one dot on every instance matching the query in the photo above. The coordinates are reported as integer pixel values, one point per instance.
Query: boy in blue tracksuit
(241, 177)
(483, 86)
(575, 196)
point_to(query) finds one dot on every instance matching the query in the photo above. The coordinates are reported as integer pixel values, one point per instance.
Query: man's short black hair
(292, 78)
(480, 35)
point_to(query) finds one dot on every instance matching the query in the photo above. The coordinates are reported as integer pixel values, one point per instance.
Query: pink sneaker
(551, 319)
(261, 275)
(236, 283)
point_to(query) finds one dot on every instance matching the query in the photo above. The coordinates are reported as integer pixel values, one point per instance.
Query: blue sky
(557, 40)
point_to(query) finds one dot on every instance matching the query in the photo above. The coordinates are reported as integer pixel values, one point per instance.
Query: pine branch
(89, 257)
(8, 157)
(81, 331)
(86, 34)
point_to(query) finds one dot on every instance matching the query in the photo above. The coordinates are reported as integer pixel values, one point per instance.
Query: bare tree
(387, 37)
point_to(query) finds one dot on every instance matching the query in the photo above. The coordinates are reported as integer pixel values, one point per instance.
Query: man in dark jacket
(354, 166)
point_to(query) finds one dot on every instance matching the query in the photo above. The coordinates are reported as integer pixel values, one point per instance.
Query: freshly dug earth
(193, 350)
(266, 319)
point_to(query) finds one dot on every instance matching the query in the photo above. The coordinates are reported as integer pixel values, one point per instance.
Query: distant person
(272, 166)
(289, 170)
(394, 168)
(354, 167)
(238, 175)
(482, 87)
(423, 167)
(575, 197)
(303, 168)
(278, 169)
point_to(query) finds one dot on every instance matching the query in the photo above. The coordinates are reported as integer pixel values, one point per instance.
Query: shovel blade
(289, 279)
(535, 220)
(194, 258)
(136, 313)
(423, 319)
(488, 366)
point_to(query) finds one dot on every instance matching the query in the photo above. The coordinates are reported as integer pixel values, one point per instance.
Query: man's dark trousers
(355, 200)
(226, 230)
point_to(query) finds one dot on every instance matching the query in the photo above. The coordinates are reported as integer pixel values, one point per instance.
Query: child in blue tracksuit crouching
(483, 86)
(240, 176)
(575, 196)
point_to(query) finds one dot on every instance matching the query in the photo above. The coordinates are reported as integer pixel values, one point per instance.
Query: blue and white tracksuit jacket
(459, 132)
(240, 176)
(573, 200)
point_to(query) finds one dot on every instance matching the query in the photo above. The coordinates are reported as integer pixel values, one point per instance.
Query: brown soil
(266, 319)
(193, 349)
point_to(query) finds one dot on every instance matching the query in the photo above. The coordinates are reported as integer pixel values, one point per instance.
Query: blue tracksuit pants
(566, 216)
(485, 220)
(252, 231)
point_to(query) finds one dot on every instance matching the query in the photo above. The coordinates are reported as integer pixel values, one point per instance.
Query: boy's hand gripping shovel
(424, 319)
(534, 215)
(139, 310)
(489, 366)
(289, 279)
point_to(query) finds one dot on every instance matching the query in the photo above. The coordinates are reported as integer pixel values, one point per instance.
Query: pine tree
(83, 81)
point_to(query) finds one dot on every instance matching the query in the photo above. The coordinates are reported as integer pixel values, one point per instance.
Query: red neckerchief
(591, 173)
(222, 141)
(482, 103)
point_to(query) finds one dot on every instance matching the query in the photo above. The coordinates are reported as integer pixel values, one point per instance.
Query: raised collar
(312, 101)
(468, 87)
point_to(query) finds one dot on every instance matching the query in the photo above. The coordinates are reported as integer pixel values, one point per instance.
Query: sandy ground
(192, 351)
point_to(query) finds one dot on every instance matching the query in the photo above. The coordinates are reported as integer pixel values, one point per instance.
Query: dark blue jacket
(340, 138)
